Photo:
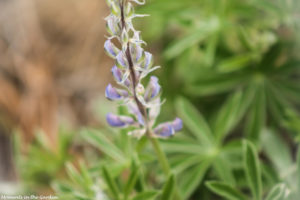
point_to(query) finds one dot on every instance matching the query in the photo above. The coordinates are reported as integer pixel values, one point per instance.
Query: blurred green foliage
(231, 71)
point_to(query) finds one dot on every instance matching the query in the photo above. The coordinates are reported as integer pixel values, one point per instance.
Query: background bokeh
(237, 62)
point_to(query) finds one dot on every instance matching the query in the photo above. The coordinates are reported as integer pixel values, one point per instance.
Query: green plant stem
(162, 159)
(160, 156)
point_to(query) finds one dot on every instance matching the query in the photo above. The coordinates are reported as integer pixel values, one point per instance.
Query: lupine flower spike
(132, 65)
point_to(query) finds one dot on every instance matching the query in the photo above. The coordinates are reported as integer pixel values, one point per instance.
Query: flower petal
(111, 49)
(117, 73)
(152, 89)
(164, 130)
(114, 94)
(118, 121)
(177, 124)
(133, 109)
(121, 60)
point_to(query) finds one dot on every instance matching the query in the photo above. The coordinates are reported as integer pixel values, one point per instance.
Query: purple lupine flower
(119, 121)
(115, 94)
(177, 124)
(121, 60)
(168, 129)
(117, 73)
(132, 64)
(152, 89)
(164, 130)
(111, 49)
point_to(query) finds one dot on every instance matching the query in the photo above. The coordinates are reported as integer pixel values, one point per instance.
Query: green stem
(161, 156)
(162, 159)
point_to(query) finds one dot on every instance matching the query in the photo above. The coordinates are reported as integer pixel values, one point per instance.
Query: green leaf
(235, 63)
(181, 162)
(148, 195)
(211, 48)
(252, 169)
(88, 181)
(218, 83)
(132, 180)
(194, 38)
(298, 168)
(73, 174)
(277, 151)
(257, 115)
(192, 177)
(225, 190)
(278, 192)
(62, 188)
(194, 121)
(168, 189)
(232, 112)
(224, 170)
(180, 145)
(99, 140)
(110, 183)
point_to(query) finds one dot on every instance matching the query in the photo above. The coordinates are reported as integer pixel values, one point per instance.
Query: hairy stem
(161, 156)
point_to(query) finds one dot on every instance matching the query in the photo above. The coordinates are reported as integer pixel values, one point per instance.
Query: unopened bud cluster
(132, 65)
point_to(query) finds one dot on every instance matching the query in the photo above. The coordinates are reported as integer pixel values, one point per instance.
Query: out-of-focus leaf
(99, 140)
(298, 168)
(193, 178)
(179, 163)
(148, 195)
(277, 151)
(198, 35)
(168, 189)
(179, 145)
(231, 112)
(211, 49)
(132, 180)
(88, 181)
(74, 174)
(225, 190)
(216, 85)
(62, 187)
(235, 63)
(110, 183)
(224, 170)
(194, 121)
(256, 117)
(252, 169)
(278, 192)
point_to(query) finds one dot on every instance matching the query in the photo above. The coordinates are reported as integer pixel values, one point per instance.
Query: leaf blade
(225, 190)
(252, 169)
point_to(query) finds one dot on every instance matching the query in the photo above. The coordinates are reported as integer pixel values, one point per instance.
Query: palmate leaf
(181, 162)
(194, 121)
(235, 63)
(168, 189)
(252, 169)
(131, 180)
(277, 151)
(100, 141)
(192, 177)
(182, 145)
(278, 192)
(277, 103)
(112, 186)
(257, 115)
(148, 195)
(224, 170)
(298, 169)
(232, 112)
(206, 28)
(225, 190)
(215, 84)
